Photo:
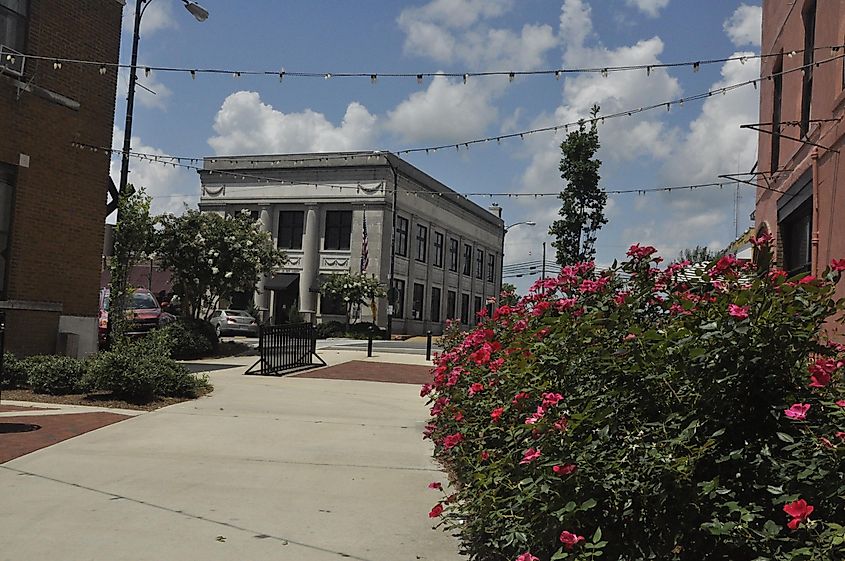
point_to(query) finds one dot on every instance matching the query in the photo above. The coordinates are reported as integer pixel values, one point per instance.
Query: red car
(146, 314)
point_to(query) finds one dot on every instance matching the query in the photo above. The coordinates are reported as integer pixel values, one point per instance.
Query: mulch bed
(95, 400)
(373, 372)
(25, 434)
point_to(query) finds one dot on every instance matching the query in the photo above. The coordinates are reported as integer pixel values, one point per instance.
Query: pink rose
(435, 485)
(739, 312)
(436, 511)
(497, 413)
(798, 411)
(570, 540)
(476, 388)
(838, 265)
(527, 557)
(530, 455)
(565, 469)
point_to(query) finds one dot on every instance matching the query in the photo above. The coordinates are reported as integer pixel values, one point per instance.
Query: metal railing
(283, 348)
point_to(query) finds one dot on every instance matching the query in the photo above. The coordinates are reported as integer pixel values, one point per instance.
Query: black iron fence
(283, 348)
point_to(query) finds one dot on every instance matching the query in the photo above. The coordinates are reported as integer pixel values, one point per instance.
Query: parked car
(234, 322)
(146, 314)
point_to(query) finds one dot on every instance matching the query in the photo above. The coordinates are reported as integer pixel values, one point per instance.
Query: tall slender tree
(583, 201)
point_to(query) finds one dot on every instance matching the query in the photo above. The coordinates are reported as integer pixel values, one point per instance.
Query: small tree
(353, 290)
(213, 257)
(699, 254)
(508, 294)
(583, 201)
(133, 239)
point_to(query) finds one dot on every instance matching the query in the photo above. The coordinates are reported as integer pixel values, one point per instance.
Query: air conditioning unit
(11, 61)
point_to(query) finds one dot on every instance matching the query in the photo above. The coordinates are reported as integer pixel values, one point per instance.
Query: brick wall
(59, 207)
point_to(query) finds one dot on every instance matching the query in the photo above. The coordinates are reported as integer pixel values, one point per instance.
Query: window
(332, 305)
(479, 263)
(290, 229)
(13, 16)
(465, 309)
(438, 249)
(467, 259)
(434, 309)
(338, 229)
(451, 304)
(796, 231)
(477, 306)
(7, 191)
(401, 236)
(399, 305)
(419, 295)
(453, 255)
(809, 58)
(777, 103)
(422, 242)
(491, 268)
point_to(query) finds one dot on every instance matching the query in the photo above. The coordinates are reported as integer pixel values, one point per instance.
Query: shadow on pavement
(11, 428)
(196, 367)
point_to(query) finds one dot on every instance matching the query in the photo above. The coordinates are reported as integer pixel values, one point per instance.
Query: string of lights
(103, 68)
(382, 188)
(191, 160)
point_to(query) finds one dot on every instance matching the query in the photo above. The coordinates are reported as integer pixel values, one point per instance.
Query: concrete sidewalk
(265, 468)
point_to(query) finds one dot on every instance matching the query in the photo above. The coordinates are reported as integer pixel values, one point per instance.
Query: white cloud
(158, 15)
(623, 139)
(714, 143)
(446, 110)
(649, 7)
(246, 125)
(157, 100)
(744, 27)
(451, 31)
(170, 187)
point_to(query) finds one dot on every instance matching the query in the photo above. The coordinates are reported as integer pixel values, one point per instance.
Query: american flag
(365, 250)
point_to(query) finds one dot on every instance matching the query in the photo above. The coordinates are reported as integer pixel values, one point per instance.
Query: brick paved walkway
(373, 372)
(21, 435)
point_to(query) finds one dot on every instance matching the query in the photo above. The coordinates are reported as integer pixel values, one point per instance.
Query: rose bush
(639, 414)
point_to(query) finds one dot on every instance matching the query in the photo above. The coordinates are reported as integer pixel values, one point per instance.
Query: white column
(262, 297)
(310, 264)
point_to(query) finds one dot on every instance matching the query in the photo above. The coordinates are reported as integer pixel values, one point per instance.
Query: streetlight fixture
(201, 14)
(527, 223)
(196, 10)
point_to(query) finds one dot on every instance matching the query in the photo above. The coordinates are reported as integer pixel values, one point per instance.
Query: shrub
(636, 415)
(330, 329)
(190, 338)
(55, 375)
(13, 374)
(453, 334)
(363, 329)
(141, 370)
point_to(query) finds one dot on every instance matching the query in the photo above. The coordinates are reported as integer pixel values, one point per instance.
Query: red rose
(799, 510)
(436, 511)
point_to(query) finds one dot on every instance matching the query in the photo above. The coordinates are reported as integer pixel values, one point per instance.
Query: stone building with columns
(447, 251)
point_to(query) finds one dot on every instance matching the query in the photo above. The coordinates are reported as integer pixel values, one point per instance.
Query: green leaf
(785, 437)
(597, 536)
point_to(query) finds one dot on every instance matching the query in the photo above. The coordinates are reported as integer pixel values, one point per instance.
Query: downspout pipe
(814, 156)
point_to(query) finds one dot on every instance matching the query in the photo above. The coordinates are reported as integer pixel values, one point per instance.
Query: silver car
(234, 322)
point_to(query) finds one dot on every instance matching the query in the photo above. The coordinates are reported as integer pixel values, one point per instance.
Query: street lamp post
(201, 14)
(527, 223)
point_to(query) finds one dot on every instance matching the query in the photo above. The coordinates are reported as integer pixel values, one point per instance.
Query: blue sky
(690, 144)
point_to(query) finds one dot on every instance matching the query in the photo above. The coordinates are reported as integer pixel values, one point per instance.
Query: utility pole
(544, 260)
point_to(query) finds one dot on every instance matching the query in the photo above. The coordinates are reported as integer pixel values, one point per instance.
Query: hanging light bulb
(57, 65)
(193, 74)
(102, 70)
(511, 76)
(557, 74)
(146, 72)
(373, 78)
(465, 78)
(696, 66)
(419, 78)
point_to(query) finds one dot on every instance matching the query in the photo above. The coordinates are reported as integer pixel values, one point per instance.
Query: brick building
(799, 154)
(52, 195)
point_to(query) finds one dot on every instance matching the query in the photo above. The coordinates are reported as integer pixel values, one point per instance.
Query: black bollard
(370, 344)
(428, 345)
